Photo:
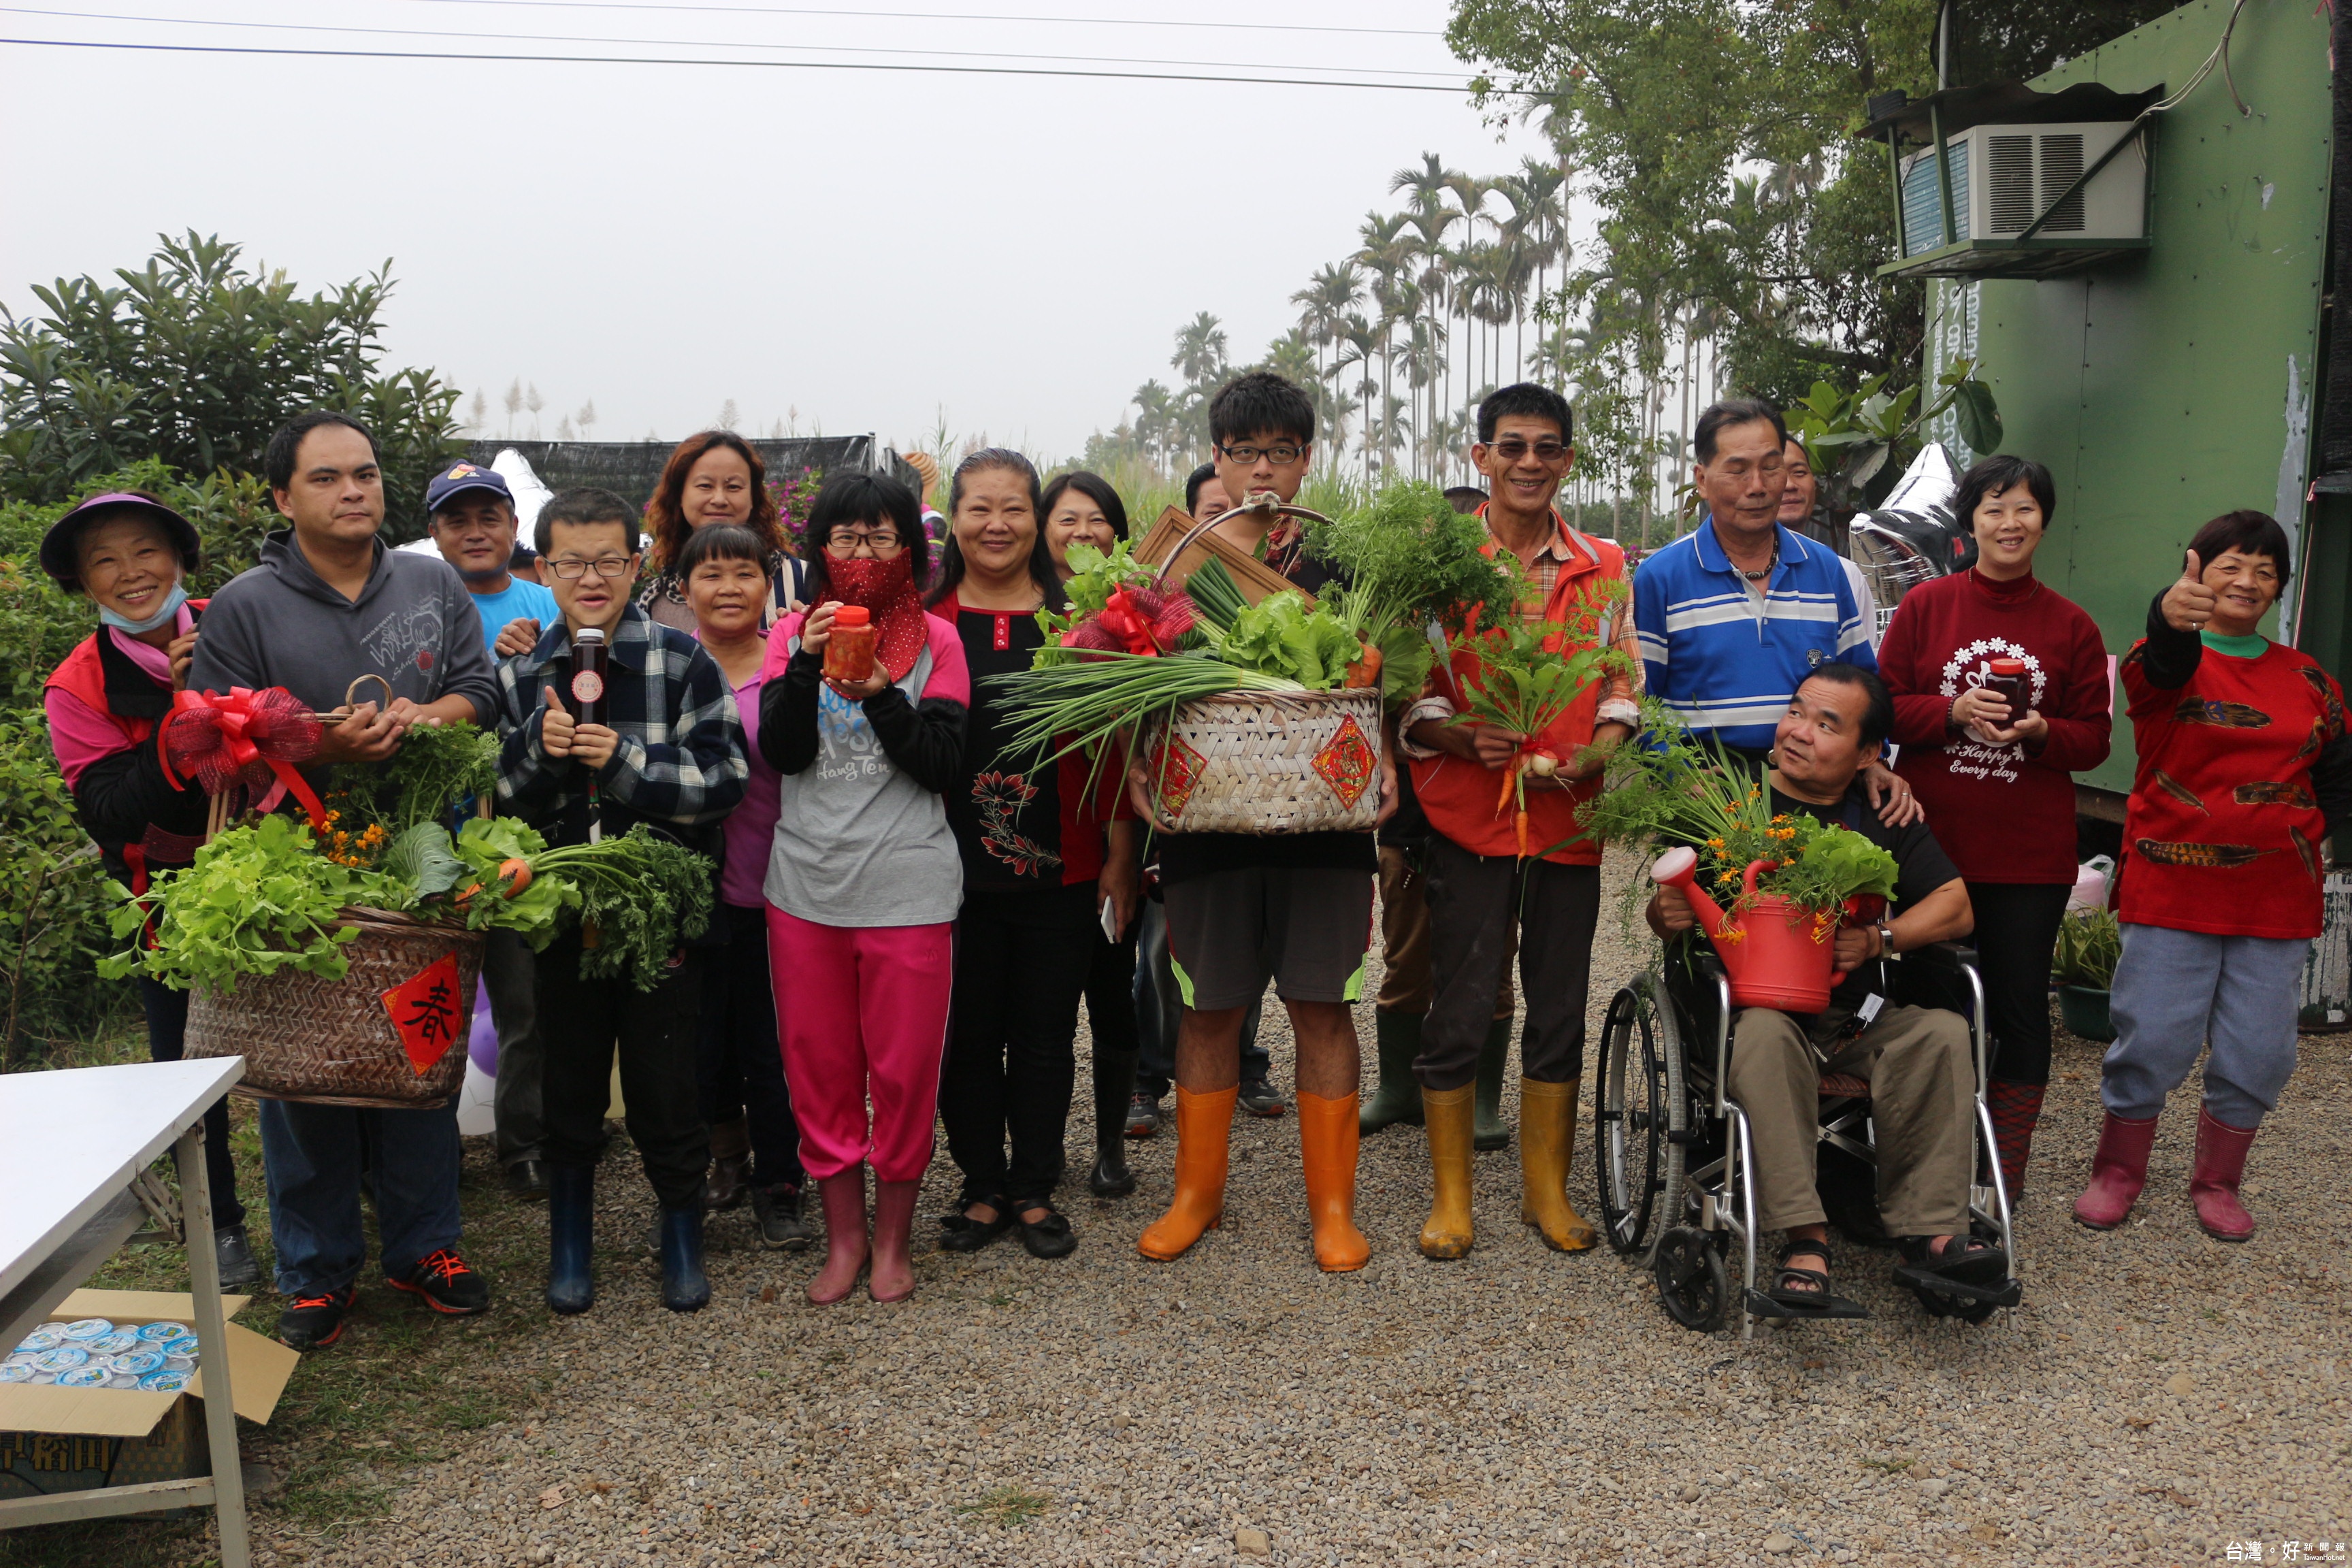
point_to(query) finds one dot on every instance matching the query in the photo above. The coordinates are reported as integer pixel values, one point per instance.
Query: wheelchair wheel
(1631, 1113)
(1693, 1287)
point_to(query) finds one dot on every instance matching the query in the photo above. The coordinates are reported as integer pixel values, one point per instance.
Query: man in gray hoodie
(327, 605)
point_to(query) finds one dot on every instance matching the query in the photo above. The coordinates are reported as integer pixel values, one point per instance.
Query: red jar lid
(2009, 667)
(858, 615)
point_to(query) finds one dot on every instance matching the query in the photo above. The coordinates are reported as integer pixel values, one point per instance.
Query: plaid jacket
(680, 762)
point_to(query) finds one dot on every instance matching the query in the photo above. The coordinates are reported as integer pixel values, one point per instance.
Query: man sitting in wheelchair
(1917, 1060)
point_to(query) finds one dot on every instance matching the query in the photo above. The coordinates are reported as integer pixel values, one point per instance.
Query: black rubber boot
(1491, 1132)
(685, 1288)
(1399, 1097)
(571, 1238)
(1114, 1083)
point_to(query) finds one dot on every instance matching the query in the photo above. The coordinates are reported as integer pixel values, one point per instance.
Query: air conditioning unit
(2006, 176)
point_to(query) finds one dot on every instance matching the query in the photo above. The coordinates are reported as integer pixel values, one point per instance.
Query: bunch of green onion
(1064, 708)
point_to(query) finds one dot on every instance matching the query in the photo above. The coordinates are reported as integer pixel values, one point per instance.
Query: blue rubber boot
(571, 1238)
(685, 1288)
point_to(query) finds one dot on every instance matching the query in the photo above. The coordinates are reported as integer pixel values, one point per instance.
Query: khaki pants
(1407, 983)
(1922, 1107)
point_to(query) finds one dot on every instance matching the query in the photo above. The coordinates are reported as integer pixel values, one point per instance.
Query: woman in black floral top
(1040, 861)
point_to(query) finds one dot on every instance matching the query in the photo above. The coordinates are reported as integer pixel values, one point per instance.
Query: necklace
(1758, 576)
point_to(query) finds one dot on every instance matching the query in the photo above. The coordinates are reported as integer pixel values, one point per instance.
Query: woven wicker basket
(331, 1042)
(1267, 761)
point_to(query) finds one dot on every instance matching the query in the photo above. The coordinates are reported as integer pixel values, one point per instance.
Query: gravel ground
(1518, 1407)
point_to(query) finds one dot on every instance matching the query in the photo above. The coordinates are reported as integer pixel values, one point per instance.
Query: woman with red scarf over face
(1994, 774)
(863, 880)
(1041, 859)
(129, 553)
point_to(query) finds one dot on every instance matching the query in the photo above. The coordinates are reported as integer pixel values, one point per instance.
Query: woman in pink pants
(863, 880)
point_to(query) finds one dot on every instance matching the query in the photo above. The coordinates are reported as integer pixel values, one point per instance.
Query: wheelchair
(1673, 1153)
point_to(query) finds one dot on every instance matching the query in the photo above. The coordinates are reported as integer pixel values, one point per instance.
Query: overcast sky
(877, 250)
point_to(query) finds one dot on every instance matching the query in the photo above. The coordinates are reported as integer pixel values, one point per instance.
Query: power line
(651, 42)
(443, 56)
(946, 17)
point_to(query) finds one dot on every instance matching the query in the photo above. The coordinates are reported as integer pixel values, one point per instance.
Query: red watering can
(1778, 955)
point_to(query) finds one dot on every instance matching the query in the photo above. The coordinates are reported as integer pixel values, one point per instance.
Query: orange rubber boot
(1326, 1146)
(1204, 1125)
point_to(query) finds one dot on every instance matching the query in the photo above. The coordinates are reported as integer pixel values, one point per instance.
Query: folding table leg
(212, 1334)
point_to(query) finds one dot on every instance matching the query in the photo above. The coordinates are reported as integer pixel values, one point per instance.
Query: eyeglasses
(848, 539)
(571, 568)
(1511, 449)
(1280, 456)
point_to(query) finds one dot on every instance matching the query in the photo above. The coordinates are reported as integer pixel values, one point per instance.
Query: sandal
(1050, 1236)
(962, 1233)
(1817, 1302)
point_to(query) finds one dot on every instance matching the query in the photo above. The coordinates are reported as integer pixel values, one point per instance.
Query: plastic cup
(83, 1330)
(165, 1381)
(63, 1359)
(152, 1332)
(85, 1377)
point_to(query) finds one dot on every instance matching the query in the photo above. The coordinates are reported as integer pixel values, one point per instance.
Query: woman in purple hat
(130, 554)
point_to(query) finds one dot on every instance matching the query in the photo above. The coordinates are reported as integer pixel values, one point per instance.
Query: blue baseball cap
(461, 477)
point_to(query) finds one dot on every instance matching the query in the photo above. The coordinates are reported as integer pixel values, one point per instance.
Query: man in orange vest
(1476, 881)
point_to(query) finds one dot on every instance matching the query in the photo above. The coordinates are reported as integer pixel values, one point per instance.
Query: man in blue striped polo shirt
(1734, 615)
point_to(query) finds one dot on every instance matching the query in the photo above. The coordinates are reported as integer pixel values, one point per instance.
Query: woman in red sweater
(1994, 777)
(2244, 774)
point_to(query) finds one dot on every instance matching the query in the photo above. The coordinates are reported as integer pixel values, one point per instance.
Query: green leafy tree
(194, 359)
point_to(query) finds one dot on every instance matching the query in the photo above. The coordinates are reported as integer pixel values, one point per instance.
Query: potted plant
(2083, 966)
(1770, 888)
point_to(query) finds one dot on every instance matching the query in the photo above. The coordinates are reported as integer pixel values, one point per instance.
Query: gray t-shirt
(857, 842)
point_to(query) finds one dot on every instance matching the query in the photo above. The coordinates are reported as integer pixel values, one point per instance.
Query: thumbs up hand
(555, 726)
(2188, 604)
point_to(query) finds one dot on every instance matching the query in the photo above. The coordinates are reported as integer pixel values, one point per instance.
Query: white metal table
(72, 1145)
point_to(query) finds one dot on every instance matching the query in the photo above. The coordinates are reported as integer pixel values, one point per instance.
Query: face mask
(870, 583)
(171, 603)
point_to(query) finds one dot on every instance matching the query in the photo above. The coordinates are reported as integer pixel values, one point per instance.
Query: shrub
(53, 902)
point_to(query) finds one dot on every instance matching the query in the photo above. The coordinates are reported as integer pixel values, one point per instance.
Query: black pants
(2017, 926)
(1021, 964)
(1472, 899)
(1110, 1021)
(739, 1066)
(167, 1041)
(581, 1024)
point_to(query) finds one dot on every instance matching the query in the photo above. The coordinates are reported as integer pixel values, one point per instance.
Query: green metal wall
(2170, 388)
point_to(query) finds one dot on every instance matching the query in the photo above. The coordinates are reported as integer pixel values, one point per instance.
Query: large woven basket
(1267, 761)
(333, 1042)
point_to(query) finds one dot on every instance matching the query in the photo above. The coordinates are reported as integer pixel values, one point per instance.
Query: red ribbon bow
(1124, 620)
(246, 737)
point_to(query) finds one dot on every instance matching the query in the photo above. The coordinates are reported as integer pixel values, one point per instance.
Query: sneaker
(314, 1322)
(1258, 1097)
(526, 1179)
(1142, 1115)
(783, 1222)
(447, 1284)
(237, 1268)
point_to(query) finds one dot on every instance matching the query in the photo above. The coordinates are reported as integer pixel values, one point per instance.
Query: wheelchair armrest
(1948, 955)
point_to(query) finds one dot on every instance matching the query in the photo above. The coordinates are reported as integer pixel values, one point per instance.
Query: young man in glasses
(1243, 909)
(1478, 888)
(667, 751)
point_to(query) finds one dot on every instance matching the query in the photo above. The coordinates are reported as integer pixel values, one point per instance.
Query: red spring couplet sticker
(428, 1011)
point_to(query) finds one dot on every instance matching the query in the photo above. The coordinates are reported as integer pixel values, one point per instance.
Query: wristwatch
(1885, 939)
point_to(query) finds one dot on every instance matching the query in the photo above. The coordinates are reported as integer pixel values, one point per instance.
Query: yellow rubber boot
(1327, 1147)
(1546, 1140)
(1451, 1117)
(1204, 1124)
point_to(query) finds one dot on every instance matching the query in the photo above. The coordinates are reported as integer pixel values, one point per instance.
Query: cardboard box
(57, 1440)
